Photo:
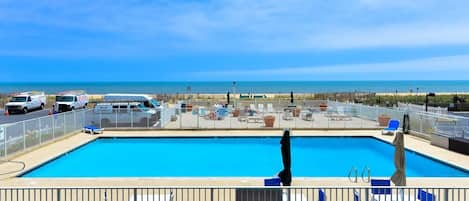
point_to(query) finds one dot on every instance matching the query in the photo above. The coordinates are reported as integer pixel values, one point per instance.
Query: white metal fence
(244, 115)
(22, 135)
(235, 194)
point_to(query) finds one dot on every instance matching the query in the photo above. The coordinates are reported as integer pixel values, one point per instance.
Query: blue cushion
(356, 196)
(380, 182)
(272, 182)
(322, 195)
(393, 124)
(425, 196)
(91, 127)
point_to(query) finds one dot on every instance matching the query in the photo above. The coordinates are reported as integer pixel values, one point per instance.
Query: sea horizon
(220, 87)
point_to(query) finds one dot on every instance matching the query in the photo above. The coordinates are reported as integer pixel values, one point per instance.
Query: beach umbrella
(399, 178)
(228, 98)
(285, 174)
(291, 97)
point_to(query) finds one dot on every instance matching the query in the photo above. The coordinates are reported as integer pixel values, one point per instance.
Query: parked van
(124, 114)
(146, 100)
(26, 101)
(71, 100)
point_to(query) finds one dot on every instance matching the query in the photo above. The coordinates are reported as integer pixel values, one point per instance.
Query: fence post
(211, 194)
(58, 194)
(135, 194)
(446, 198)
(65, 125)
(131, 117)
(53, 126)
(40, 131)
(24, 135)
(74, 120)
(5, 141)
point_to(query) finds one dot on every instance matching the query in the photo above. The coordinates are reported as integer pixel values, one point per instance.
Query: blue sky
(188, 40)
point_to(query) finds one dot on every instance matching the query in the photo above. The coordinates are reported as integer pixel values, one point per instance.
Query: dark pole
(426, 103)
(291, 97)
(426, 100)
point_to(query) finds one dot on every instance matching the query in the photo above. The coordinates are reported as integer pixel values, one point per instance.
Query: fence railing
(234, 194)
(426, 123)
(19, 136)
(243, 115)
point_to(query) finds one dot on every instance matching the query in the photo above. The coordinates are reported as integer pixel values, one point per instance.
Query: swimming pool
(235, 157)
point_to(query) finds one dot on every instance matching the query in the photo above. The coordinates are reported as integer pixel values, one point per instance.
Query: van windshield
(64, 98)
(18, 99)
(155, 103)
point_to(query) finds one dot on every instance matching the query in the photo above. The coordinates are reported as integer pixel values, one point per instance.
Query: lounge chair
(340, 115)
(252, 107)
(392, 129)
(91, 129)
(287, 115)
(380, 189)
(260, 108)
(425, 196)
(321, 195)
(270, 108)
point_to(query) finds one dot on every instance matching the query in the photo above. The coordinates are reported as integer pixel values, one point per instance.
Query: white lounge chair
(260, 108)
(270, 108)
(252, 107)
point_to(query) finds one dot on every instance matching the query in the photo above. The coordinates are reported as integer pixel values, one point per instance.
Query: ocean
(241, 87)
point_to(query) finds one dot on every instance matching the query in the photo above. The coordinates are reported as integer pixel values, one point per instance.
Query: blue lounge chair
(321, 195)
(380, 189)
(425, 196)
(356, 196)
(272, 182)
(393, 127)
(91, 129)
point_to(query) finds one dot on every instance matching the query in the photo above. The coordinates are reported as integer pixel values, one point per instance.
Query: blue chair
(272, 182)
(393, 127)
(356, 196)
(425, 196)
(380, 189)
(91, 129)
(322, 195)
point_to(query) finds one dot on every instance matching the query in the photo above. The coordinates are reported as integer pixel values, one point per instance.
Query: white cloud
(437, 65)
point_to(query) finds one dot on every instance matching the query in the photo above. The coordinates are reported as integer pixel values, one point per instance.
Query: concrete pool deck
(47, 152)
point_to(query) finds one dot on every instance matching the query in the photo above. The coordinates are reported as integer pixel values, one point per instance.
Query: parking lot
(12, 118)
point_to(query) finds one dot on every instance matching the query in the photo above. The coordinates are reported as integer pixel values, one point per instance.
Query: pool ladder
(365, 176)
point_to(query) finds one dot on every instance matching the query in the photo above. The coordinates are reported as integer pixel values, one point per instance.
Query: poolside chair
(380, 189)
(321, 195)
(260, 108)
(91, 129)
(270, 108)
(425, 196)
(356, 196)
(392, 129)
(252, 107)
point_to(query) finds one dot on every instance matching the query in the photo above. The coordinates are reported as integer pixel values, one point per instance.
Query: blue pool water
(235, 157)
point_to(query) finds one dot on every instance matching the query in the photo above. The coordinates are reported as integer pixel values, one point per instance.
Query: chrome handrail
(368, 179)
(353, 170)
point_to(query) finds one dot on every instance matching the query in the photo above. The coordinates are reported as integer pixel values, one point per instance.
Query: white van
(71, 100)
(146, 100)
(26, 101)
(124, 114)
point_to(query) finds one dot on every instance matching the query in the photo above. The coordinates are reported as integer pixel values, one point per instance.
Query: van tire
(42, 106)
(73, 108)
(25, 110)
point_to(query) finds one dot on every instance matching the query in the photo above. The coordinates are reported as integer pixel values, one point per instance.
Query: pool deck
(47, 152)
